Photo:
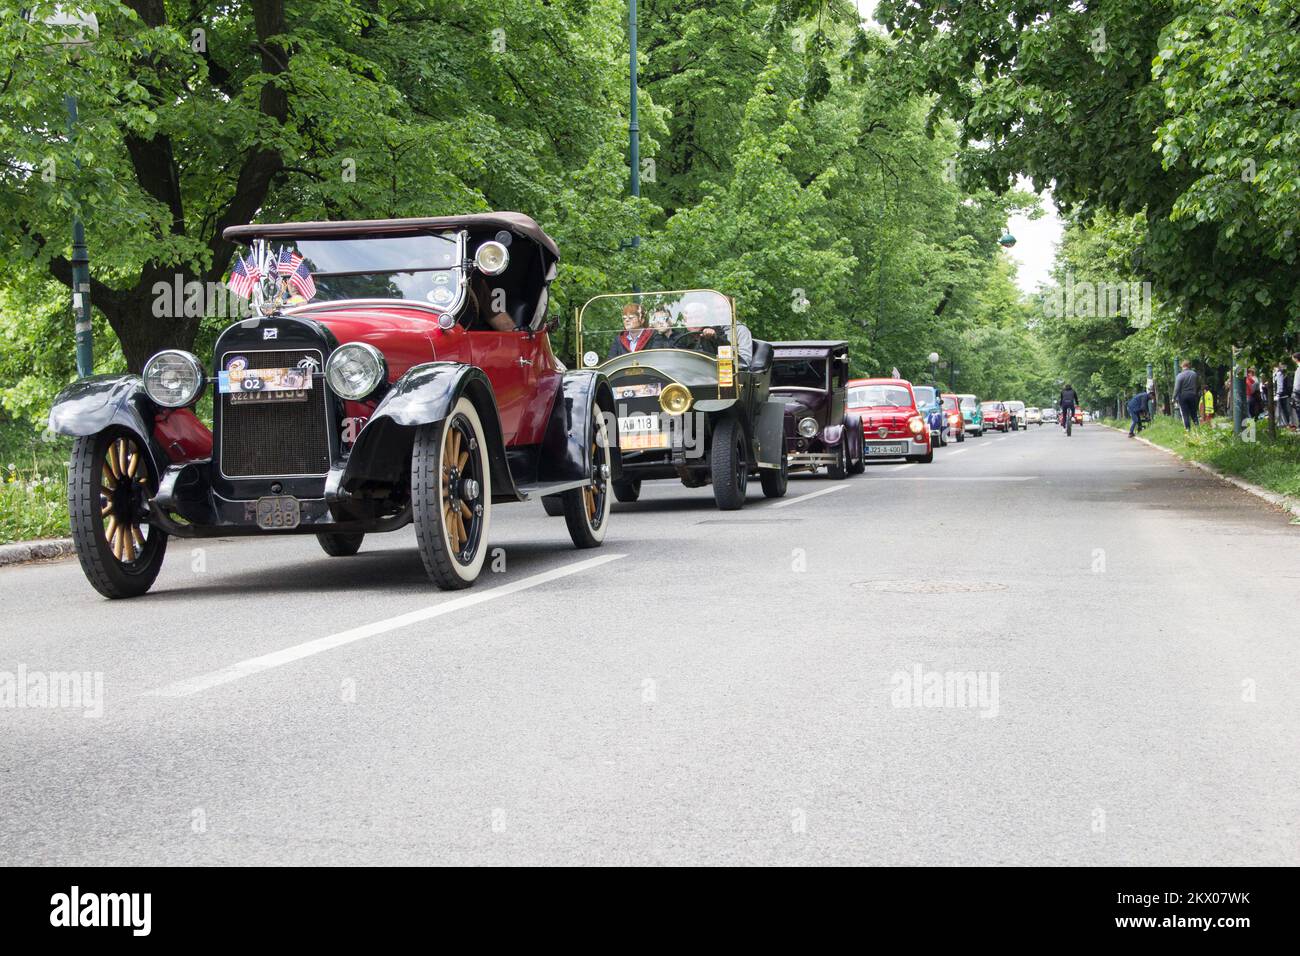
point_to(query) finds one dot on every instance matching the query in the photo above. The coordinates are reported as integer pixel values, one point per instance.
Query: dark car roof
(515, 222)
(810, 344)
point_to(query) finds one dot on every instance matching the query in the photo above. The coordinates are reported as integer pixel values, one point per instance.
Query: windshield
(877, 396)
(799, 373)
(697, 320)
(991, 407)
(422, 268)
(924, 394)
(950, 403)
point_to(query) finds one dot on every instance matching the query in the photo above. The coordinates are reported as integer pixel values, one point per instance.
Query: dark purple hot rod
(812, 378)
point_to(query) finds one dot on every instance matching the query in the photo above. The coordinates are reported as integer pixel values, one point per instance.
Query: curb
(24, 552)
(1272, 497)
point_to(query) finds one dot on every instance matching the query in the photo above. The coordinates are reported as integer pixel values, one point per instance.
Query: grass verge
(1272, 463)
(33, 483)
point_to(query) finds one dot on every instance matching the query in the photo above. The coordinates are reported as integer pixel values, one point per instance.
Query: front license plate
(639, 432)
(265, 384)
(278, 512)
(887, 450)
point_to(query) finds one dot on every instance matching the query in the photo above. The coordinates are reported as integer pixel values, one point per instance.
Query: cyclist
(1069, 399)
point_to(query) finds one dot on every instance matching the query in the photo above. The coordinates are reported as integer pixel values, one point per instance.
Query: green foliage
(1180, 109)
(793, 166)
(33, 484)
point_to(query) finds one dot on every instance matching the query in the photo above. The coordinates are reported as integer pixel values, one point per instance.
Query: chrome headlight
(808, 427)
(355, 370)
(173, 379)
(492, 258)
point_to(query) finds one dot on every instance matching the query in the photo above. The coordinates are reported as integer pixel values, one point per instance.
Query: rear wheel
(729, 463)
(586, 510)
(340, 544)
(627, 491)
(775, 481)
(451, 500)
(109, 487)
(961, 437)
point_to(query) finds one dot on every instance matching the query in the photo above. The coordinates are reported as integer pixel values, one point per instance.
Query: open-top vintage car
(691, 389)
(812, 378)
(393, 372)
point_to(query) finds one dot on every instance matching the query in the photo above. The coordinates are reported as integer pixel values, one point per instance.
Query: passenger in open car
(482, 317)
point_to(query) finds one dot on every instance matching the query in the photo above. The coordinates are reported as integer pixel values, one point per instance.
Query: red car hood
(884, 413)
(406, 336)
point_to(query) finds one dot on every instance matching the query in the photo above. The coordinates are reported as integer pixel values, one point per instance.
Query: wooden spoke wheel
(110, 483)
(451, 499)
(586, 509)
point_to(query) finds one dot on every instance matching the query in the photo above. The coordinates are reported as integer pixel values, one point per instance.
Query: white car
(1017, 410)
(1033, 416)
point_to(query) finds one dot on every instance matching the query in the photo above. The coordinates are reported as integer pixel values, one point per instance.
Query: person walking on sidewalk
(1282, 395)
(1137, 405)
(1187, 393)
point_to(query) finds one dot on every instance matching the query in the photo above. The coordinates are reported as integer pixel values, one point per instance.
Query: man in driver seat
(701, 336)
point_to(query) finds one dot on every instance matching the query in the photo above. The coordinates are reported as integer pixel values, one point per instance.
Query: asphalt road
(714, 688)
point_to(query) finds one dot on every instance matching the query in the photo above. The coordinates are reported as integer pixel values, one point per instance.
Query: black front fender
(89, 405)
(566, 448)
(424, 395)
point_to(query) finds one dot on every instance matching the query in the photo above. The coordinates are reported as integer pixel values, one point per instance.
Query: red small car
(997, 416)
(956, 421)
(892, 425)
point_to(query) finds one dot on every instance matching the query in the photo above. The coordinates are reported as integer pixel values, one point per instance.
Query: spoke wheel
(451, 500)
(586, 510)
(111, 482)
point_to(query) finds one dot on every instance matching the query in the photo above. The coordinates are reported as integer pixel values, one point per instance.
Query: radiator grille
(275, 439)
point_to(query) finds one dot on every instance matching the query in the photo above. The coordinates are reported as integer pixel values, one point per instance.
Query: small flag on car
(244, 277)
(301, 281)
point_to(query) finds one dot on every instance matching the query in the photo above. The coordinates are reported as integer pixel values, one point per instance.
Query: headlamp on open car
(355, 369)
(173, 378)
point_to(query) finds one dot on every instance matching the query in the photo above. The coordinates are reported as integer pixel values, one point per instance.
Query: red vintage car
(892, 425)
(391, 372)
(956, 421)
(997, 416)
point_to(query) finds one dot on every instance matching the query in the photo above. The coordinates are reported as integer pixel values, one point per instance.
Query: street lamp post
(934, 368)
(84, 29)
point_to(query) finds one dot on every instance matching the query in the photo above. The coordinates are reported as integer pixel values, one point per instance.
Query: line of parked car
(397, 372)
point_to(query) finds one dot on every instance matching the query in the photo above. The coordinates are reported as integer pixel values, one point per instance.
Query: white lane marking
(813, 494)
(910, 464)
(256, 665)
(958, 478)
(959, 451)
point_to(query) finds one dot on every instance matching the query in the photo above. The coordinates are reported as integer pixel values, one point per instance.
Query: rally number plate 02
(278, 512)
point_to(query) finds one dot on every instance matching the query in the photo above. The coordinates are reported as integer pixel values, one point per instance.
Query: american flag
(244, 277)
(288, 262)
(299, 276)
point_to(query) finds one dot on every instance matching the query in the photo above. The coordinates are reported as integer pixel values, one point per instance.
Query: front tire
(586, 510)
(553, 505)
(110, 483)
(451, 497)
(729, 463)
(840, 469)
(341, 544)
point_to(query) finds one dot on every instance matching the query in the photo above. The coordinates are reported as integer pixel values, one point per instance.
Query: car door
(508, 360)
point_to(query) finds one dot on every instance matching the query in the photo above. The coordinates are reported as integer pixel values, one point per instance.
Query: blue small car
(930, 404)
